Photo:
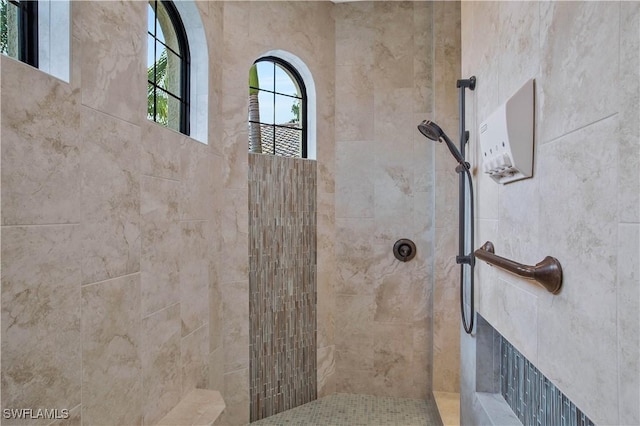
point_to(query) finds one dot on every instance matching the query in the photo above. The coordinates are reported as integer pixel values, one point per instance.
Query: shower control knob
(404, 250)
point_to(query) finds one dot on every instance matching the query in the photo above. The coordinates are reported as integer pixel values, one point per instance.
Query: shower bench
(199, 407)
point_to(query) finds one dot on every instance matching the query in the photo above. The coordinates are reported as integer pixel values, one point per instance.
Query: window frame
(297, 78)
(185, 64)
(27, 30)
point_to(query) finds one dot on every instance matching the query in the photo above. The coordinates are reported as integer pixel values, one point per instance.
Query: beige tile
(394, 126)
(159, 262)
(216, 369)
(40, 158)
(446, 197)
(355, 356)
(422, 51)
(111, 55)
(74, 418)
(355, 188)
(216, 318)
(354, 249)
(393, 45)
(194, 357)
(235, 146)
(326, 370)
(235, 334)
(578, 180)
(419, 384)
(354, 316)
(423, 157)
(446, 349)
(446, 15)
(396, 295)
(446, 248)
(160, 358)
(628, 319)
(519, 45)
(41, 344)
(574, 57)
(359, 381)
(198, 407)
(517, 311)
(519, 222)
(326, 154)
(393, 198)
(629, 141)
(194, 276)
(111, 365)
(449, 407)
(325, 311)
(160, 151)
(392, 358)
(196, 181)
(354, 102)
(236, 398)
(235, 235)
(111, 197)
(354, 27)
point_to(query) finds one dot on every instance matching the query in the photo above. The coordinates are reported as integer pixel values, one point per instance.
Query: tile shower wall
(388, 57)
(109, 232)
(581, 206)
(252, 29)
(446, 293)
(282, 283)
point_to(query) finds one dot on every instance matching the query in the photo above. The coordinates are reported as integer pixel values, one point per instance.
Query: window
(19, 30)
(167, 67)
(277, 109)
(37, 33)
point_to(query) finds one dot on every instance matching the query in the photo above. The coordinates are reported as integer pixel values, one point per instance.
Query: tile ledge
(497, 409)
(448, 404)
(198, 408)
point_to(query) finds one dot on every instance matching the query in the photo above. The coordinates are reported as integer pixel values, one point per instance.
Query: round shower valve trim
(404, 250)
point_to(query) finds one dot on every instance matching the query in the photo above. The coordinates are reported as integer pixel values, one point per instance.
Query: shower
(432, 131)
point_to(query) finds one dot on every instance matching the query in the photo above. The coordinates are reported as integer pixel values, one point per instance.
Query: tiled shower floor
(349, 410)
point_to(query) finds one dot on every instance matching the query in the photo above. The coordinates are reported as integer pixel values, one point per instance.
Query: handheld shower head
(432, 131)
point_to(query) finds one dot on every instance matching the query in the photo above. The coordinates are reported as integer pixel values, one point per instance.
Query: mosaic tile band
(282, 284)
(531, 396)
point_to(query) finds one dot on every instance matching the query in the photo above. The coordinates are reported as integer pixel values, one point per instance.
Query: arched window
(277, 109)
(168, 72)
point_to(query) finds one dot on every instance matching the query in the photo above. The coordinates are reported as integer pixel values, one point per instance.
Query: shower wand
(432, 131)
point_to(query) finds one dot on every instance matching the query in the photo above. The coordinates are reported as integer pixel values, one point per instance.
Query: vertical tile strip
(531, 396)
(282, 283)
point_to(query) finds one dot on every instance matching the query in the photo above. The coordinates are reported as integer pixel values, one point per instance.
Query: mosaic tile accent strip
(365, 410)
(531, 396)
(282, 283)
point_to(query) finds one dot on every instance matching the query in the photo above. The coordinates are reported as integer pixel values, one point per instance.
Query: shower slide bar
(548, 272)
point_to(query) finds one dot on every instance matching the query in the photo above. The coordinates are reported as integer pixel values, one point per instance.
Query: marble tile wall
(110, 231)
(282, 283)
(581, 206)
(385, 170)
(446, 293)
(305, 29)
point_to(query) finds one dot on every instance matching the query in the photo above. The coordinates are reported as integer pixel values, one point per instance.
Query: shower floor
(349, 410)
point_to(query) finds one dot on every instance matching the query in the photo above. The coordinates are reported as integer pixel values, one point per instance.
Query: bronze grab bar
(548, 272)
